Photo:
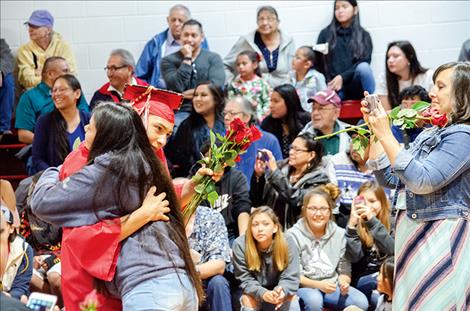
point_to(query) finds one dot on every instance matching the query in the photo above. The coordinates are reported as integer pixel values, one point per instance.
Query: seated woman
(59, 132)
(184, 149)
(120, 147)
(403, 69)
(347, 64)
(368, 236)
(283, 184)
(276, 47)
(325, 272)
(286, 118)
(266, 264)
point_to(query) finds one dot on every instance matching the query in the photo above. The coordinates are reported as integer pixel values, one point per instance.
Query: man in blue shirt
(240, 107)
(161, 45)
(38, 100)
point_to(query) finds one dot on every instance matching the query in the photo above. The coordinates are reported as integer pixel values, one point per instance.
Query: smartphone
(41, 302)
(372, 102)
(262, 155)
(359, 200)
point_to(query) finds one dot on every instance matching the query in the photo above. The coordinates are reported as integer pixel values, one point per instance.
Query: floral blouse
(257, 91)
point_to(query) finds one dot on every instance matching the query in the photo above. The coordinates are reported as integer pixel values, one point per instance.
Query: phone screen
(40, 304)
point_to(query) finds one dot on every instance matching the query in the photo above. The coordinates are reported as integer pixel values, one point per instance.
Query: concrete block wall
(437, 29)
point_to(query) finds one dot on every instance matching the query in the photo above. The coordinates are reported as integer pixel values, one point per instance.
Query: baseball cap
(41, 18)
(326, 97)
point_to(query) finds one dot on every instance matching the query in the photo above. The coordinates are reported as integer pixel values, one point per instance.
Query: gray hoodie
(69, 203)
(257, 283)
(324, 258)
(284, 60)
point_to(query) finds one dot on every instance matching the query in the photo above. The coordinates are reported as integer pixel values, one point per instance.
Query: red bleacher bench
(350, 111)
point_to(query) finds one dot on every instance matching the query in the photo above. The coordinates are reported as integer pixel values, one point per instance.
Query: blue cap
(41, 18)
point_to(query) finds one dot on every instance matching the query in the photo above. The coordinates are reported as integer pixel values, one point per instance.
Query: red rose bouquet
(235, 142)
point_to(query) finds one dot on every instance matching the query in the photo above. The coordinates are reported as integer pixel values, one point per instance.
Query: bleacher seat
(350, 111)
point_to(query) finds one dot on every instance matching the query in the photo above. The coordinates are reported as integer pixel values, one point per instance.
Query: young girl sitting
(306, 80)
(385, 285)
(249, 83)
(368, 236)
(266, 264)
(324, 280)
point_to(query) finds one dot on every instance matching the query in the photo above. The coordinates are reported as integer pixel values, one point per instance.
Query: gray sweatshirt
(70, 204)
(257, 283)
(324, 258)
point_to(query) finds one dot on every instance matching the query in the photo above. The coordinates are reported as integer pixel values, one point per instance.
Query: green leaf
(210, 187)
(230, 162)
(363, 132)
(199, 188)
(212, 197)
(230, 155)
(197, 179)
(212, 135)
(220, 137)
(410, 113)
(398, 122)
(418, 106)
(394, 113)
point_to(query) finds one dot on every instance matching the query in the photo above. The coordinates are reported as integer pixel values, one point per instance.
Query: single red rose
(439, 120)
(240, 136)
(255, 133)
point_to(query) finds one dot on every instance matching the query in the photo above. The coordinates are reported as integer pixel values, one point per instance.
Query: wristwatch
(188, 58)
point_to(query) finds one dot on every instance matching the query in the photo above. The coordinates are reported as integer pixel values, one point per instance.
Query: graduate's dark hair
(121, 134)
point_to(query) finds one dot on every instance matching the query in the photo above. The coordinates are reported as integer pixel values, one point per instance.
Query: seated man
(326, 106)
(240, 107)
(38, 100)
(161, 45)
(120, 71)
(190, 66)
(208, 241)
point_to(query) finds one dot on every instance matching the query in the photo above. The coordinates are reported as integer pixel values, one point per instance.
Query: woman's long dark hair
(59, 137)
(392, 79)
(195, 120)
(121, 133)
(357, 44)
(312, 145)
(293, 105)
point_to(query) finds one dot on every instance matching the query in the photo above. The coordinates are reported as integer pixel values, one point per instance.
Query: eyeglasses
(231, 113)
(55, 91)
(314, 210)
(295, 149)
(114, 68)
(261, 20)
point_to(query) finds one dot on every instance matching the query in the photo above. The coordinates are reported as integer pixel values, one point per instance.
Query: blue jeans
(7, 99)
(292, 305)
(163, 293)
(218, 293)
(363, 80)
(313, 299)
(367, 283)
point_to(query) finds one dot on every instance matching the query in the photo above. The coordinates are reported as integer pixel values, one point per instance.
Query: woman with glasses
(324, 270)
(184, 149)
(283, 184)
(275, 46)
(59, 132)
(286, 118)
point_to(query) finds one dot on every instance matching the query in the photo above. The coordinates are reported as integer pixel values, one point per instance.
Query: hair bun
(332, 190)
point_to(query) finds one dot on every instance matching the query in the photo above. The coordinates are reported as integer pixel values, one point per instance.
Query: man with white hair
(163, 44)
(120, 71)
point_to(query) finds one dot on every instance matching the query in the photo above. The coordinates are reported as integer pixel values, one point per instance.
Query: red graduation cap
(148, 100)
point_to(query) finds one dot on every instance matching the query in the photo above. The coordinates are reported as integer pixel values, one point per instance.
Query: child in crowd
(385, 285)
(306, 80)
(266, 264)
(249, 83)
(325, 271)
(407, 98)
(368, 236)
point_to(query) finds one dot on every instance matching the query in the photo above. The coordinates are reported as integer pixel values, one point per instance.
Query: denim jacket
(435, 172)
